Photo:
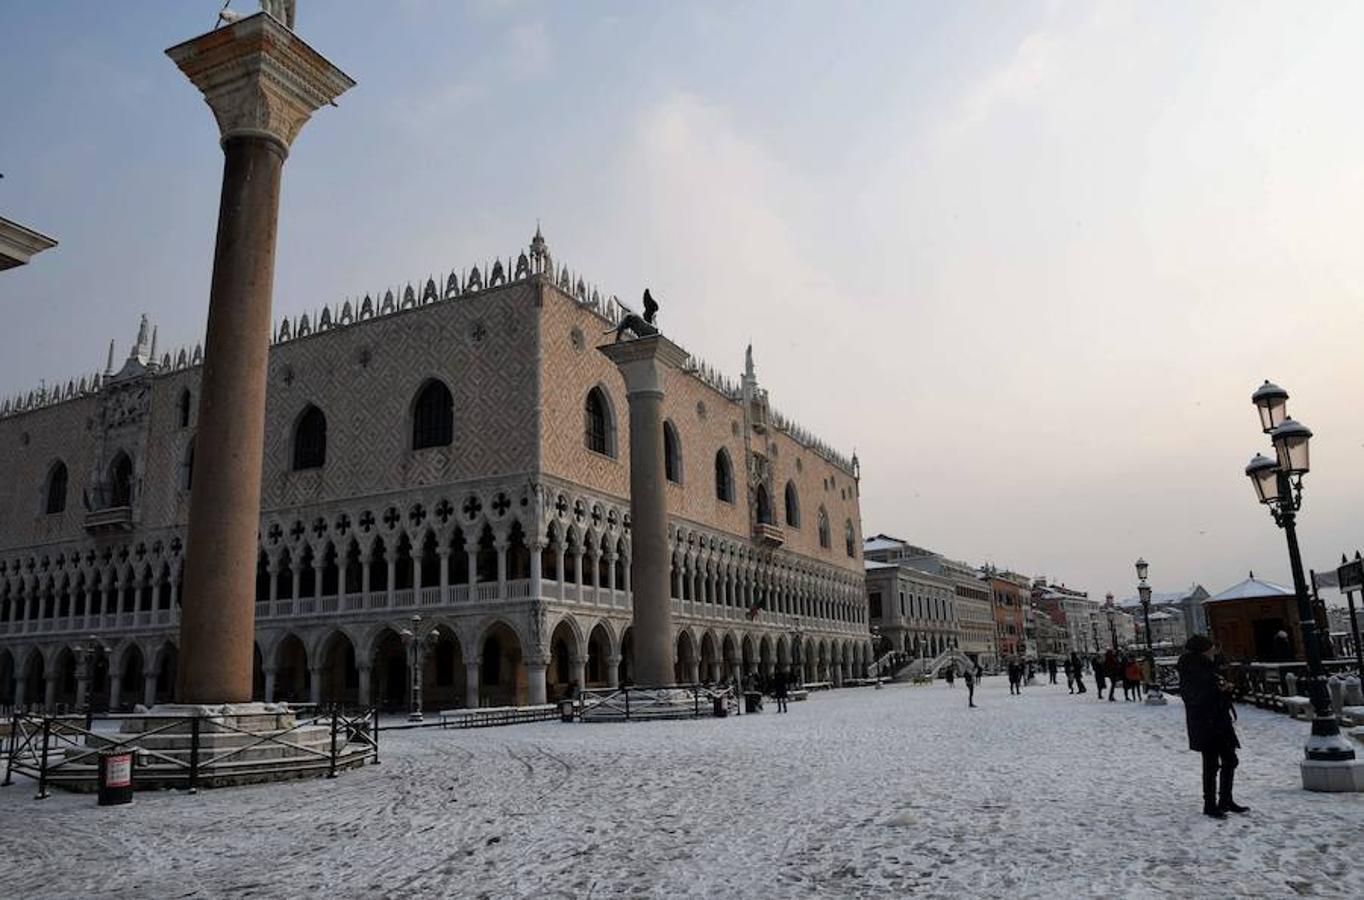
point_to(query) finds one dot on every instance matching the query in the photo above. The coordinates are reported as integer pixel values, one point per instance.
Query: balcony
(110, 520)
(768, 535)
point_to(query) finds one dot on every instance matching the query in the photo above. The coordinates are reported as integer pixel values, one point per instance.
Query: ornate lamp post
(1330, 763)
(1153, 695)
(1111, 612)
(416, 646)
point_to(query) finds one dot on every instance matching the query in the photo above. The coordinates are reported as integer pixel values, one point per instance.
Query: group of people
(1207, 696)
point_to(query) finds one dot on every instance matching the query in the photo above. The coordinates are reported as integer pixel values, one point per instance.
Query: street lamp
(1153, 695)
(1111, 612)
(1330, 763)
(415, 647)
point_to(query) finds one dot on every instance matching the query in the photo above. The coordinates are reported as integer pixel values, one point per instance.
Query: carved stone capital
(259, 78)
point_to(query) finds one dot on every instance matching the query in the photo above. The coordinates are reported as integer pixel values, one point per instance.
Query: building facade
(911, 610)
(1079, 615)
(447, 465)
(1011, 594)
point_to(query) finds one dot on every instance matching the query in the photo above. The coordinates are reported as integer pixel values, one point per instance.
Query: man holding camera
(1208, 711)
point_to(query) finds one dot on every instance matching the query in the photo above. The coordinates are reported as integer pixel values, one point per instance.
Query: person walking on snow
(970, 678)
(1097, 665)
(780, 691)
(1208, 716)
(1112, 671)
(1077, 670)
(1070, 677)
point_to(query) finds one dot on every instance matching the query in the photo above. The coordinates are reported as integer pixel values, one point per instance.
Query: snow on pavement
(854, 793)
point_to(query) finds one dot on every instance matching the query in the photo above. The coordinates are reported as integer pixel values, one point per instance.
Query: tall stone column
(471, 668)
(643, 363)
(262, 83)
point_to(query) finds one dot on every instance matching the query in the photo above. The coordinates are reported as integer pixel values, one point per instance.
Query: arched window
(792, 506)
(187, 468)
(310, 440)
(823, 528)
(433, 416)
(724, 476)
(599, 431)
(186, 401)
(672, 453)
(849, 538)
(54, 495)
(763, 506)
(121, 481)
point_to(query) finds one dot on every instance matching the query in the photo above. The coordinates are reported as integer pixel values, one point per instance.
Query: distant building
(1187, 604)
(1076, 613)
(1011, 594)
(1246, 617)
(911, 610)
(971, 606)
(1053, 640)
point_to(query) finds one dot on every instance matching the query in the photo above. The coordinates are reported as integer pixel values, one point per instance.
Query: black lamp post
(1330, 764)
(1154, 697)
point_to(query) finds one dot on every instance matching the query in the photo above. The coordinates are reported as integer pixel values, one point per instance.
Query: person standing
(952, 675)
(1097, 664)
(1208, 717)
(1112, 672)
(1015, 677)
(1051, 670)
(1070, 677)
(970, 678)
(781, 691)
(1134, 675)
(1077, 670)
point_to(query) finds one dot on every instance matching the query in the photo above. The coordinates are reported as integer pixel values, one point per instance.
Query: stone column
(115, 688)
(444, 553)
(20, 684)
(471, 682)
(537, 549)
(315, 675)
(579, 667)
(50, 701)
(149, 689)
(262, 83)
(363, 695)
(269, 672)
(643, 363)
(613, 671)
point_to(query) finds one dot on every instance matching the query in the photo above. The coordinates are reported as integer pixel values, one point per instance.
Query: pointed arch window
(310, 440)
(850, 538)
(433, 416)
(824, 540)
(187, 468)
(724, 476)
(599, 427)
(672, 453)
(54, 494)
(186, 403)
(792, 505)
(763, 505)
(121, 481)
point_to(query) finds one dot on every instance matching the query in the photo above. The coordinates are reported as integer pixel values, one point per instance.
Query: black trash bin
(720, 707)
(115, 777)
(753, 701)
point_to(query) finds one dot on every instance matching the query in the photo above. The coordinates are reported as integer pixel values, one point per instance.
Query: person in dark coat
(1208, 715)
(1051, 671)
(952, 675)
(1097, 664)
(970, 676)
(1015, 677)
(1077, 670)
(1112, 671)
(781, 690)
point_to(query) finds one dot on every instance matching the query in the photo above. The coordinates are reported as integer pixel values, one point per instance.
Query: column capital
(259, 78)
(641, 361)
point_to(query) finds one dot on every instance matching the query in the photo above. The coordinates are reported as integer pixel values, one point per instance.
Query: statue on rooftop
(639, 327)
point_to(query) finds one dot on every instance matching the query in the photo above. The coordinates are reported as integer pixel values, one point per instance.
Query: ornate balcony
(768, 535)
(109, 520)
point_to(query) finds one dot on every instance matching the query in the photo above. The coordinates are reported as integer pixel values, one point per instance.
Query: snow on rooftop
(1252, 587)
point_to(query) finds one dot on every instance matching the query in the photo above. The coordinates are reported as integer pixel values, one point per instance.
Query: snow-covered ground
(854, 793)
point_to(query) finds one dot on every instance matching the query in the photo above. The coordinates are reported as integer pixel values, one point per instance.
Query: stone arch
(63, 669)
(338, 667)
(710, 657)
(390, 678)
(130, 671)
(308, 444)
(684, 659)
(626, 667)
(765, 657)
(432, 415)
(55, 489)
(562, 677)
(599, 421)
(444, 674)
(502, 673)
(672, 453)
(166, 664)
(783, 653)
(601, 649)
(293, 680)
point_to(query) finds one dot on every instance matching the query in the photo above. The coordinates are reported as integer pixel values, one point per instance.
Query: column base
(1155, 698)
(1331, 776)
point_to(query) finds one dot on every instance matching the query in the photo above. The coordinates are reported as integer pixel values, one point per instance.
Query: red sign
(118, 770)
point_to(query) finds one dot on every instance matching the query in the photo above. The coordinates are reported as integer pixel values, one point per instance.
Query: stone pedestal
(262, 83)
(643, 363)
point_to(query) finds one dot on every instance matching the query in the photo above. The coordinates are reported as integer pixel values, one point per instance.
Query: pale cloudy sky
(1029, 259)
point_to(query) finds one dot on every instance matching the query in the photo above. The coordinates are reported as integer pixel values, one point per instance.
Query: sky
(1028, 260)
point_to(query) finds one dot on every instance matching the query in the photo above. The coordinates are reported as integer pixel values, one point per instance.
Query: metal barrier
(683, 701)
(197, 751)
(490, 716)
